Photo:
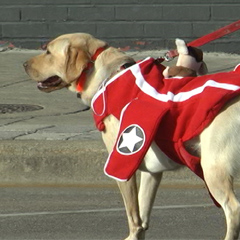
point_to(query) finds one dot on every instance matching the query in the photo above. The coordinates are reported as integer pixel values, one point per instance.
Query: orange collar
(83, 77)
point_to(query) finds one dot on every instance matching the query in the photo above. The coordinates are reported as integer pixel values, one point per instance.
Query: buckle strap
(127, 65)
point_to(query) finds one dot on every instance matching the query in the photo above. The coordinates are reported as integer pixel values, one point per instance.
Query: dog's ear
(58, 46)
(77, 60)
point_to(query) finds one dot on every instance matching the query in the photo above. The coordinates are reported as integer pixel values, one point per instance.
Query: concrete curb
(38, 162)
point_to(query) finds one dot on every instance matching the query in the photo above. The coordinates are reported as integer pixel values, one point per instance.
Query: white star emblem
(129, 139)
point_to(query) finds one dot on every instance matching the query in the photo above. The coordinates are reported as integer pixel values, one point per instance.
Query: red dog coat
(167, 111)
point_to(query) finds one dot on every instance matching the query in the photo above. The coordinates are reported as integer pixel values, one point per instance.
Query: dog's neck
(106, 65)
(83, 77)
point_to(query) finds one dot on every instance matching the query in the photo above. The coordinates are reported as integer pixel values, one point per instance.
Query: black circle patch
(131, 140)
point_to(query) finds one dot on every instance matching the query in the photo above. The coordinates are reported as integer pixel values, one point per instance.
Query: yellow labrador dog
(82, 63)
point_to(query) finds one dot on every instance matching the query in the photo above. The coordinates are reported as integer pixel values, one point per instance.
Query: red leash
(207, 38)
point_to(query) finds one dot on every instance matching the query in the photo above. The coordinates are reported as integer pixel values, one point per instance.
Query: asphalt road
(92, 213)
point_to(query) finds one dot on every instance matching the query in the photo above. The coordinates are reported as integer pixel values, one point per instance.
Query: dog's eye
(48, 52)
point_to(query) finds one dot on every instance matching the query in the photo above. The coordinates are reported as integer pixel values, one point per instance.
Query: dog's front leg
(129, 193)
(128, 189)
(148, 188)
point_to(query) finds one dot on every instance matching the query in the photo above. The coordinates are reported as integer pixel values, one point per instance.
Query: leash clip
(170, 55)
(167, 57)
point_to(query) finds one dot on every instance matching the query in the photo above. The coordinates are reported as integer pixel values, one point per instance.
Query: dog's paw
(138, 235)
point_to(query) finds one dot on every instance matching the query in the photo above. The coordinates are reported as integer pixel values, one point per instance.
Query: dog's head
(64, 60)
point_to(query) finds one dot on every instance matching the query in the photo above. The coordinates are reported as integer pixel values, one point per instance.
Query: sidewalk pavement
(58, 144)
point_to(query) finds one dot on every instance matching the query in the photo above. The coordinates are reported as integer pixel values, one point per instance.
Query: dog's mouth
(51, 84)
